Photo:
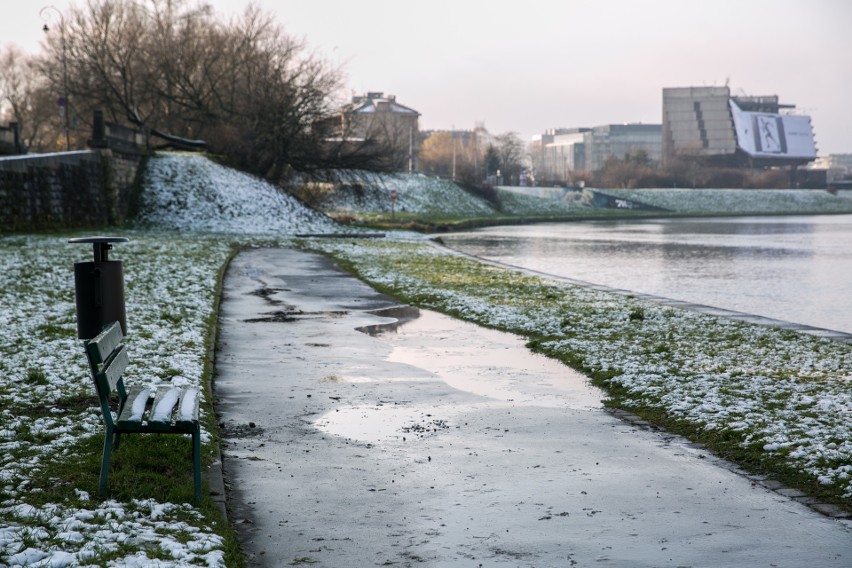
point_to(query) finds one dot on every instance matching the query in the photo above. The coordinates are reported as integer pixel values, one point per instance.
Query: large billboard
(767, 135)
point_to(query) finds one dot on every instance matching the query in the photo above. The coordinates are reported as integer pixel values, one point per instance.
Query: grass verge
(51, 431)
(428, 223)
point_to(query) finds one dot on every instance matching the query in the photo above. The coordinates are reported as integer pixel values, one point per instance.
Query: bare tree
(99, 54)
(175, 69)
(269, 97)
(26, 99)
(511, 155)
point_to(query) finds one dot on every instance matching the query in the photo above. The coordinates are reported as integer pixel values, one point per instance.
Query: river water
(791, 268)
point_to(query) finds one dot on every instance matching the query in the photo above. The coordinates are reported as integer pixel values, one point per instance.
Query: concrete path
(439, 443)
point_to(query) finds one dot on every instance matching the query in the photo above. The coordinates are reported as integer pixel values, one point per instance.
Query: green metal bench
(174, 410)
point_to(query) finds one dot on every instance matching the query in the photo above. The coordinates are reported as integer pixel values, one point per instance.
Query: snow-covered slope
(415, 193)
(189, 192)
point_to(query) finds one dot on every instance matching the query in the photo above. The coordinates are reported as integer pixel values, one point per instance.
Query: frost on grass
(783, 393)
(739, 201)
(416, 193)
(48, 404)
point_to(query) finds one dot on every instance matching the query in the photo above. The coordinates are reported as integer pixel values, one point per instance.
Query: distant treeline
(627, 174)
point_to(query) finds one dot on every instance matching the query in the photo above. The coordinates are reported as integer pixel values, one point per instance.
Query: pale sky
(538, 64)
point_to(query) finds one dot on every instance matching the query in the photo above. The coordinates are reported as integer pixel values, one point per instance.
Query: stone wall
(69, 190)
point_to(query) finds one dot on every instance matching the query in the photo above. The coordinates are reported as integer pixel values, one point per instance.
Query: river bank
(429, 205)
(790, 268)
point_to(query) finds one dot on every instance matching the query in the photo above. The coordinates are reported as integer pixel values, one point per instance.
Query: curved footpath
(439, 443)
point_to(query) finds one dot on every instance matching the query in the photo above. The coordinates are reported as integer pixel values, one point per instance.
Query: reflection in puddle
(400, 315)
(488, 363)
(495, 367)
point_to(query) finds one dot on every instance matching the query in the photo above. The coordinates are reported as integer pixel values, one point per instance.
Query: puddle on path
(488, 363)
(495, 367)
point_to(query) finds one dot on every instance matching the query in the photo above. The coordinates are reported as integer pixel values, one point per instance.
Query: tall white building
(709, 124)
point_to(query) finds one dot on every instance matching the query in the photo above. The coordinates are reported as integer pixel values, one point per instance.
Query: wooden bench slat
(105, 343)
(161, 411)
(188, 411)
(114, 368)
(134, 409)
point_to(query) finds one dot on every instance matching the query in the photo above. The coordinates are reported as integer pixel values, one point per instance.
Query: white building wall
(558, 155)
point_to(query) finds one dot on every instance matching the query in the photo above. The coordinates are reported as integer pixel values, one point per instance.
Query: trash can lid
(99, 240)
(100, 245)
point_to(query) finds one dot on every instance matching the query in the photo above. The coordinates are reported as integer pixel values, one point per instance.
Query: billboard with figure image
(767, 135)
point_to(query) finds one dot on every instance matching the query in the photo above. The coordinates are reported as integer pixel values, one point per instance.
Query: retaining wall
(68, 190)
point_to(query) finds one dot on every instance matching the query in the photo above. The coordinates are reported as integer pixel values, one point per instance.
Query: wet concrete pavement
(440, 443)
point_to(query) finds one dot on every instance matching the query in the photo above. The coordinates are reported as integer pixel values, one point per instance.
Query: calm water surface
(795, 269)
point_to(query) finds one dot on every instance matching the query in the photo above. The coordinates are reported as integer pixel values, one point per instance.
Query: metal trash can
(100, 288)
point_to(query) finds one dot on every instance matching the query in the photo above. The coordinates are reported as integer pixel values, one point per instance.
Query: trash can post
(99, 287)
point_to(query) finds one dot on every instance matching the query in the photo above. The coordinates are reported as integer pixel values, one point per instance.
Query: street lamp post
(64, 101)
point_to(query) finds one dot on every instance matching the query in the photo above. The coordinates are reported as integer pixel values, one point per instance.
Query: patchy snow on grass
(48, 403)
(541, 201)
(741, 201)
(110, 529)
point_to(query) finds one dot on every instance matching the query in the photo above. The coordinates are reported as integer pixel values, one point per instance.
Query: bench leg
(108, 443)
(196, 463)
